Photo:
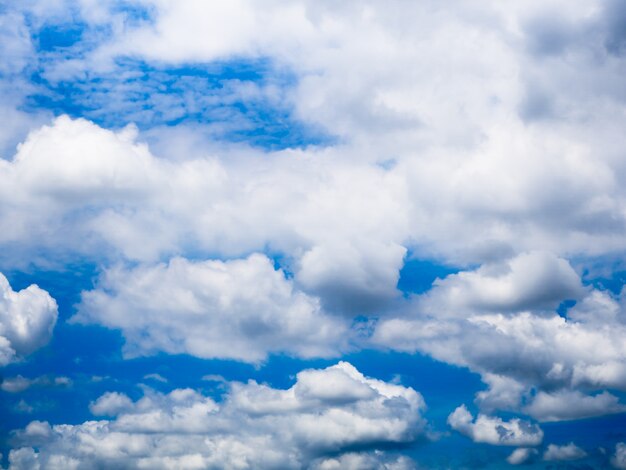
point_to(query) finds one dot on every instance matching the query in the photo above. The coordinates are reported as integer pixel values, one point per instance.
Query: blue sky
(313, 236)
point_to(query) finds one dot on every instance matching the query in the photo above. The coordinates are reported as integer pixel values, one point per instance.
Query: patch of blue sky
(243, 101)
(53, 37)
(417, 275)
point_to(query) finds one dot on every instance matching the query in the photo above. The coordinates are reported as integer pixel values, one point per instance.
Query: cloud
(110, 404)
(499, 320)
(493, 430)
(321, 420)
(238, 309)
(102, 194)
(530, 281)
(567, 405)
(356, 461)
(619, 458)
(564, 452)
(27, 318)
(521, 456)
(19, 383)
(157, 377)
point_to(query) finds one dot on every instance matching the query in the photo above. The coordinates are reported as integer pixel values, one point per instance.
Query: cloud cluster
(499, 321)
(27, 318)
(330, 418)
(492, 142)
(488, 136)
(238, 309)
(493, 430)
(619, 458)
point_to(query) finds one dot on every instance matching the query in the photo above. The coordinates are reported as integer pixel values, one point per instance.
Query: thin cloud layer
(317, 423)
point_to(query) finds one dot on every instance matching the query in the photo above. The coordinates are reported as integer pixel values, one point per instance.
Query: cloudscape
(304, 234)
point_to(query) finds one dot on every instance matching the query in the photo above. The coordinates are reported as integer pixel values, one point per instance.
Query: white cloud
(565, 452)
(27, 318)
(521, 456)
(493, 430)
(374, 461)
(19, 383)
(102, 194)
(567, 405)
(499, 321)
(619, 458)
(239, 309)
(530, 281)
(111, 404)
(255, 427)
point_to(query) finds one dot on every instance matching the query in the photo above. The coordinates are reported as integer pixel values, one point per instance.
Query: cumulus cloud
(110, 404)
(500, 321)
(356, 461)
(103, 194)
(238, 309)
(521, 456)
(619, 458)
(565, 452)
(571, 404)
(27, 318)
(515, 141)
(530, 281)
(320, 421)
(493, 430)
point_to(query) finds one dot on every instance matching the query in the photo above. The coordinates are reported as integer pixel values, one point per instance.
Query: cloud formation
(238, 309)
(565, 452)
(27, 319)
(493, 430)
(500, 321)
(320, 422)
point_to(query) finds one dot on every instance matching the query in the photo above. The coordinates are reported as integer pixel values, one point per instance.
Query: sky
(312, 235)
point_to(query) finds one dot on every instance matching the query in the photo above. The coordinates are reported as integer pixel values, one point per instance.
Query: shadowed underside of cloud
(330, 417)
(493, 430)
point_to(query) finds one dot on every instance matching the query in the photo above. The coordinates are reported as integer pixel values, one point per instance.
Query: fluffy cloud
(521, 456)
(530, 281)
(493, 430)
(565, 452)
(497, 320)
(619, 458)
(567, 404)
(27, 318)
(238, 309)
(318, 421)
(103, 194)
(516, 170)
